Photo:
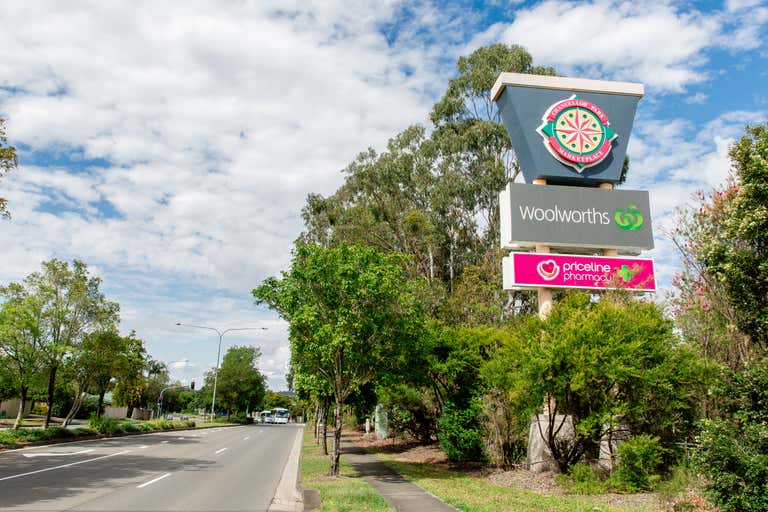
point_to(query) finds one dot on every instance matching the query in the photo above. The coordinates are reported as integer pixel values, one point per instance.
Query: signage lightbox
(541, 270)
(567, 130)
(575, 217)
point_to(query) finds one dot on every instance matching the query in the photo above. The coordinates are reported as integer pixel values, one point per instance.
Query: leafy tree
(71, 306)
(273, 399)
(240, 385)
(131, 386)
(423, 196)
(8, 162)
(351, 311)
(156, 379)
(95, 364)
(721, 294)
(21, 338)
(738, 256)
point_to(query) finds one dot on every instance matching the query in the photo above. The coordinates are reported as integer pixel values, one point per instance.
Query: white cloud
(651, 42)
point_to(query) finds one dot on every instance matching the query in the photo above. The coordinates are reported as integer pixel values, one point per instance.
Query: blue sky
(171, 145)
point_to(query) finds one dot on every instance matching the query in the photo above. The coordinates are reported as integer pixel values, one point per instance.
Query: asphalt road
(220, 469)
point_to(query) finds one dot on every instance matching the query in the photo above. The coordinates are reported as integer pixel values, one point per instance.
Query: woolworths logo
(629, 219)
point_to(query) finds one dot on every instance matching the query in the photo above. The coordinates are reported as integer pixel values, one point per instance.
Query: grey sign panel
(575, 217)
(524, 103)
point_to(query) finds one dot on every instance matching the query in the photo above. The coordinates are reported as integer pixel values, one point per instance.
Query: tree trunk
(336, 438)
(100, 405)
(73, 410)
(324, 417)
(51, 389)
(316, 432)
(22, 405)
(129, 412)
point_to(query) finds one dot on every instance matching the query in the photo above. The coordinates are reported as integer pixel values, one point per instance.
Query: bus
(280, 415)
(265, 417)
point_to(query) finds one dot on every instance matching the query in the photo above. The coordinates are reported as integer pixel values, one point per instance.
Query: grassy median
(347, 492)
(11, 438)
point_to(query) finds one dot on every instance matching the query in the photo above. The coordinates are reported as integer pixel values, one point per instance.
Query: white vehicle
(280, 415)
(265, 417)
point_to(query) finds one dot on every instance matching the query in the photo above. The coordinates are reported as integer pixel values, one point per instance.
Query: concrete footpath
(400, 493)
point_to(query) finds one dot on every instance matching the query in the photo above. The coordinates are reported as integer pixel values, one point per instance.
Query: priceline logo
(629, 219)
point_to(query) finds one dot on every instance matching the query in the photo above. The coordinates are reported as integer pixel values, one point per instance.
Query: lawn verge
(345, 493)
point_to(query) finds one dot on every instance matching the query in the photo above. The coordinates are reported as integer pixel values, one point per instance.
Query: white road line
(181, 438)
(163, 442)
(219, 451)
(143, 447)
(246, 438)
(63, 465)
(153, 481)
(56, 454)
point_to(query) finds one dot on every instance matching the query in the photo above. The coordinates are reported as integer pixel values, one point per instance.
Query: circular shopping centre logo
(577, 133)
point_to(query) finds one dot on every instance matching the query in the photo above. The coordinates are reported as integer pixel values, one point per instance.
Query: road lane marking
(153, 481)
(56, 454)
(143, 447)
(163, 442)
(219, 451)
(64, 465)
(180, 438)
(246, 438)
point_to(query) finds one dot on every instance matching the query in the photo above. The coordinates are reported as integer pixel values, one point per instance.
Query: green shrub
(104, 424)
(732, 451)
(733, 459)
(129, 426)
(460, 433)
(583, 479)
(639, 461)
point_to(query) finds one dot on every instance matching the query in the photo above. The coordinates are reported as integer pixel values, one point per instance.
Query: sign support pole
(545, 294)
(609, 252)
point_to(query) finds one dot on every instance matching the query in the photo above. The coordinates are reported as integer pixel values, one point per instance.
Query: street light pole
(218, 354)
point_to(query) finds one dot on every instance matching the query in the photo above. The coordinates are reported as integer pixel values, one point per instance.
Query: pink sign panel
(524, 269)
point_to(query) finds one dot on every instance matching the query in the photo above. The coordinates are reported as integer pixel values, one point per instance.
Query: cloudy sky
(171, 145)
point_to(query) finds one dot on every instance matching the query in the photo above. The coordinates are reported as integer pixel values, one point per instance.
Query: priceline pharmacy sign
(533, 270)
(575, 217)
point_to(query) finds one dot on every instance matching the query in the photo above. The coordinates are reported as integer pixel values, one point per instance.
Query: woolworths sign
(575, 217)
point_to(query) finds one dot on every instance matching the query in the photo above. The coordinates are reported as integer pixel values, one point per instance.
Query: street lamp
(218, 354)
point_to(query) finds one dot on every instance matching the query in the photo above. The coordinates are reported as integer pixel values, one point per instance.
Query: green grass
(346, 493)
(471, 493)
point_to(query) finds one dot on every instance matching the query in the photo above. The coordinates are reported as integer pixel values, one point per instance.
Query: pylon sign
(567, 130)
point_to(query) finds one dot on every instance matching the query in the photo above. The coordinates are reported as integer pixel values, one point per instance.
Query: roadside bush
(733, 459)
(104, 425)
(639, 461)
(240, 419)
(130, 426)
(22, 435)
(160, 424)
(732, 451)
(460, 435)
(583, 479)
